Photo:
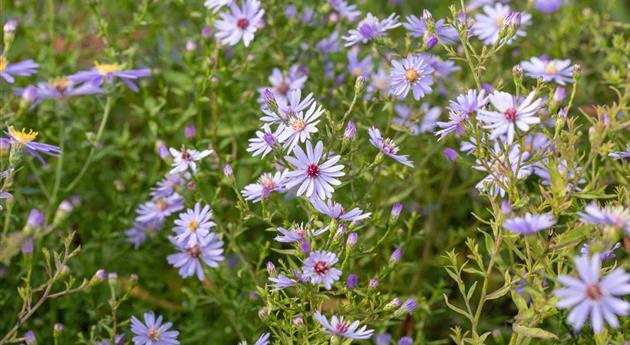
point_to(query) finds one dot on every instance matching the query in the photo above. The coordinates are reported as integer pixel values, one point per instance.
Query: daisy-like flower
(297, 233)
(379, 82)
(264, 142)
(344, 9)
(193, 225)
(241, 24)
(313, 177)
(542, 169)
(510, 114)
(370, 28)
(340, 327)
(329, 44)
(358, 67)
(388, 147)
(591, 296)
(412, 73)
(621, 154)
(282, 282)
(318, 268)
(139, 232)
(59, 89)
(267, 183)
(281, 84)
(167, 186)
(106, 72)
(216, 5)
(158, 209)
(405, 117)
(559, 71)
(189, 258)
(152, 331)
(336, 211)
(530, 223)
(26, 141)
(498, 178)
(441, 69)
(20, 69)
(417, 28)
(615, 216)
(300, 126)
(294, 103)
(187, 159)
(488, 25)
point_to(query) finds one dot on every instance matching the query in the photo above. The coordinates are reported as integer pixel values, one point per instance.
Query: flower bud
(98, 277)
(513, 20)
(35, 220)
(29, 337)
(408, 306)
(373, 283)
(263, 313)
(271, 268)
(577, 71)
(162, 150)
(359, 84)
(383, 339)
(351, 282)
(206, 32)
(227, 171)
(253, 295)
(190, 131)
(112, 277)
(10, 26)
(305, 247)
(352, 239)
(506, 207)
(405, 341)
(450, 154)
(395, 257)
(430, 41)
(395, 303)
(270, 100)
(27, 246)
(426, 15)
(298, 321)
(29, 95)
(58, 328)
(191, 46)
(350, 131)
(559, 94)
(5, 145)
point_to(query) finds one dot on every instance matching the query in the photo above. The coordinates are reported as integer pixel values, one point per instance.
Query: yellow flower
(105, 69)
(23, 137)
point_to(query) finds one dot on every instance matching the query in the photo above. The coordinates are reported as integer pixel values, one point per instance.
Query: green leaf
(533, 332)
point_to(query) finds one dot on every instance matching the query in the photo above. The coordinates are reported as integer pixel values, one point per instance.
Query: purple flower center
(389, 146)
(161, 204)
(312, 170)
(186, 155)
(194, 251)
(321, 267)
(593, 292)
(510, 114)
(367, 30)
(283, 88)
(341, 327)
(242, 23)
(270, 139)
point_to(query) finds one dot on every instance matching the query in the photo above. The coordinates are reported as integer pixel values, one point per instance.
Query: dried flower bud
(112, 277)
(263, 313)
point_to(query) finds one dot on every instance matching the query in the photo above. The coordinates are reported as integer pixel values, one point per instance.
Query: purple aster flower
(329, 44)
(318, 268)
(542, 169)
(158, 209)
(152, 331)
(26, 141)
(189, 258)
(383, 339)
(559, 71)
(193, 226)
(417, 28)
(264, 142)
(340, 327)
(530, 223)
(106, 72)
(379, 82)
(370, 28)
(263, 339)
(282, 282)
(344, 9)
(441, 69)
(388, 147)
(168, 185)
(548, 6)
(336, 211)
(502, 167)
(20, 69)
(300, 126)
(294, 103)
(281, 84)
(413, 73)
(510, 114)
(60, 89)
(621, 154)
(297, 233)
(615, 216)
(139, 232)
(488, 25)
(216, 5)
(358, 67)
(241, 23)
(313, 177)
(267, 183)
(605, 255)
(405, 341)
(406, 118)
(589, 296)
(187, 159)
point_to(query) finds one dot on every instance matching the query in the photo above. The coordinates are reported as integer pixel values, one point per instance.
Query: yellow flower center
(357, 72)
(298, 125)
(500, 21)
(105, 69)
(60, 84)
(3, 63)
(23, 136)
(193, 225)
(550, 68)
(411, 75)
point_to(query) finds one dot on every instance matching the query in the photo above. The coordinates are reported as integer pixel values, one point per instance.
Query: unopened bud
(271, 268)
(350, 131)
(190, 131)
(352, 239)
(559, 94)
(227, 171)
(351, 282)
(29, 338)
(373, 283)
(10, 26)
(395, 303)
(206, 32)
(58, 328)
(396, 209)
(29, 95)
(430, 41)
(191, 46)
(450, 154)
(395, 257)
